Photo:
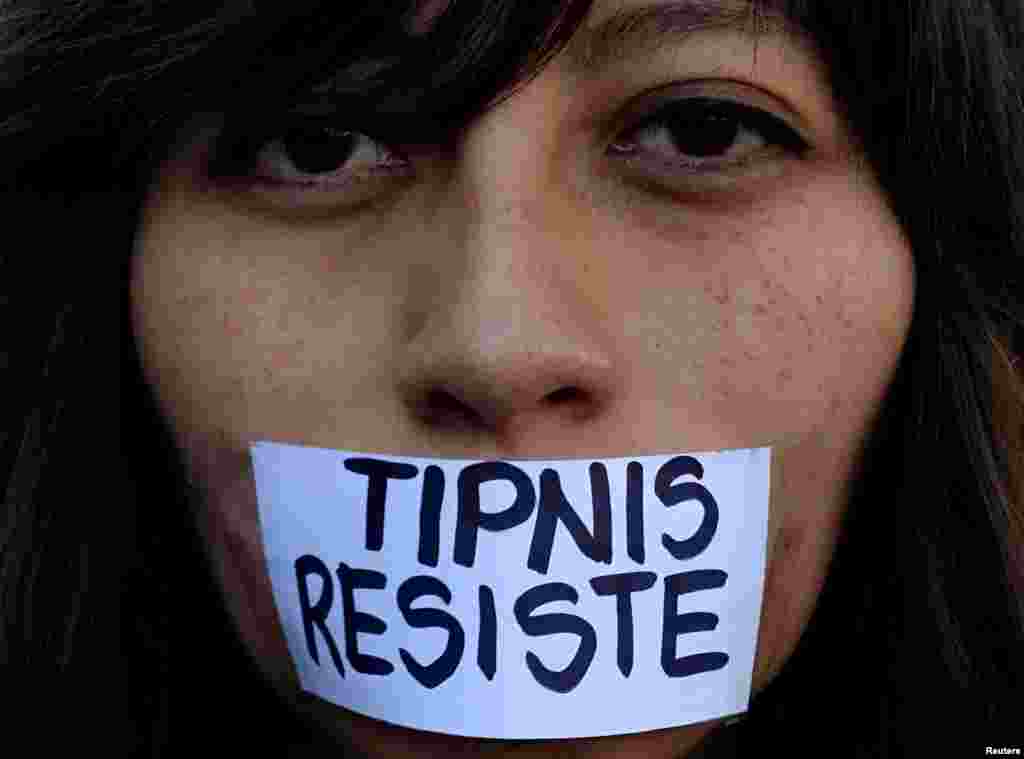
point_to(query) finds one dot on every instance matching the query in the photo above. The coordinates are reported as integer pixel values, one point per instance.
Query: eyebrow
(642, 31)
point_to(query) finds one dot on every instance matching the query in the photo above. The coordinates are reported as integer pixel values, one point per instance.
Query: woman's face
(746, 295)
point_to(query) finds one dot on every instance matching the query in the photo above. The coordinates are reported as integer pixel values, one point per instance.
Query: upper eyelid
(768, 123)
(731, 91)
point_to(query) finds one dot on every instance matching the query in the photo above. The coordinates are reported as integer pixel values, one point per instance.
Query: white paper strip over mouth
(519, 599)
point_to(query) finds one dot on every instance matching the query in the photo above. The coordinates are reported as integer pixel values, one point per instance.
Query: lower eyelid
(355, 188)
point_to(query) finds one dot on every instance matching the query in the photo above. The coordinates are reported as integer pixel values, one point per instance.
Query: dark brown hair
(110, 622)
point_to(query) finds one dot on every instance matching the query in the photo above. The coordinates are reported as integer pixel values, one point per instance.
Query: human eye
(303, 161)
(704, 143)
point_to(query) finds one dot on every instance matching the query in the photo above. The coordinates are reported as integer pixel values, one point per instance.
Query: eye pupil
(702, 131)
(314, 151)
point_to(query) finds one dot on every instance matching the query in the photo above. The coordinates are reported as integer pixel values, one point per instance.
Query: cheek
(804, 524)
(850, 301)
(228, 519)
(784, 329)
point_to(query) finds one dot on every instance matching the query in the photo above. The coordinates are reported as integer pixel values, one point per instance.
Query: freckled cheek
(807, 380)
(761, 371)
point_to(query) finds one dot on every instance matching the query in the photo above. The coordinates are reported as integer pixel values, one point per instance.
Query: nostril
(446, 401)
(565, 395)
(443, 406)
(571, 401)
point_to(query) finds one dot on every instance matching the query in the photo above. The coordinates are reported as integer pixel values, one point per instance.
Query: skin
(766, 310)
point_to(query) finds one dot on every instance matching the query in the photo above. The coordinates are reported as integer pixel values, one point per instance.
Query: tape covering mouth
(519, 599)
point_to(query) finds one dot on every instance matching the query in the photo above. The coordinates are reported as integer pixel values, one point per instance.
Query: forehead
(617, 29)
(620, 29)
(424, 13)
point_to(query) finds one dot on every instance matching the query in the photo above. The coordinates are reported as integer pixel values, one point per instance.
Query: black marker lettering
(358, 621)
(687, 491)
(622, 586)
(635, 511)
(379, 472)
(554, 508)
(317, 615)
(486, 655)
(430, 515)
(676, 624)
(431, 675)
(471, 519)
(548, 624)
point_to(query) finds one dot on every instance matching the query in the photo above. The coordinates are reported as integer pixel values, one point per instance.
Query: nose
(508, 397)
(511, 348)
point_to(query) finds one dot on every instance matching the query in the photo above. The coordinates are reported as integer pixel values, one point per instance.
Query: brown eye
(302, 154)
(692, 129)
(318, 150)
(702, 131)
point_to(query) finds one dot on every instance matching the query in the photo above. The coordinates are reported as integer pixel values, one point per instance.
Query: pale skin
(763, 306)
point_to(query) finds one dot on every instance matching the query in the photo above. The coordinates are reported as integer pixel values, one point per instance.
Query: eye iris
(318, 151)
(702, 131)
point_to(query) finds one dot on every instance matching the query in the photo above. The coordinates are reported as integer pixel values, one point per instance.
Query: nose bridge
(520, 238)
(508, 158)
(514, 340)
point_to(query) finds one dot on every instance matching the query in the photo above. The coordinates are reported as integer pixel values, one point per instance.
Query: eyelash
(235, 156)
(772, 129)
